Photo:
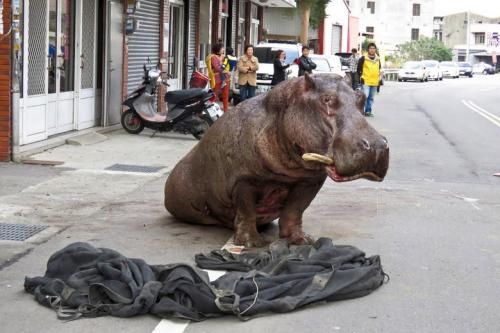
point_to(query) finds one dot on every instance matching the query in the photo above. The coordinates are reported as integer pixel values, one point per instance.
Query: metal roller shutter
(144, 42)
(336, 38)
(193, 10)
(234, 22)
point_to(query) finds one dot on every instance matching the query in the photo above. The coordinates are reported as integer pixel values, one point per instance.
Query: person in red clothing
(216, 71)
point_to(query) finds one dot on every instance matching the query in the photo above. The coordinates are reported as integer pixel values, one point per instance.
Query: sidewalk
(59, 197)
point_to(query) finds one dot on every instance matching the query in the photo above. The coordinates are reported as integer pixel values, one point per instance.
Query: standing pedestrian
(280, 67)
(306, 65)
(353, 66)
(216, 68)
(248, 65)
(369, 73)
(229, 63)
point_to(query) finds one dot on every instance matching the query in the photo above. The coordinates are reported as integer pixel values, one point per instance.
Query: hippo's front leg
(245, 222)
(298, 200)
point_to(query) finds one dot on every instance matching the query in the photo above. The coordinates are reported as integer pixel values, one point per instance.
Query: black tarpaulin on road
(82, 280)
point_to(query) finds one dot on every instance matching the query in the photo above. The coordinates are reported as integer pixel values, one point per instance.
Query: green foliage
(364, 45)
(318, 8)
(318, 12)
(424, 49)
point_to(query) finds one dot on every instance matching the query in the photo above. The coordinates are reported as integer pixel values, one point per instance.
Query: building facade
(334, 31)
(472, 37)
(332, 35)
(72, 62)
(393, 22)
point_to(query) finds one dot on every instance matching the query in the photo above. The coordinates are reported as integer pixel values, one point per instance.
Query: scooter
(189, 111)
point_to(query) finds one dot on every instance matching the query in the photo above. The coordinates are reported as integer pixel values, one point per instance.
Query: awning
(276, 3)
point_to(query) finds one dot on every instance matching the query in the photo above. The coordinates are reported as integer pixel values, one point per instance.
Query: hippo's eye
(331, 100)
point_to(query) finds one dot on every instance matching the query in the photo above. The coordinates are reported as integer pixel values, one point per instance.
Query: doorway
(176, 40)
(113, 63)
(58, 67)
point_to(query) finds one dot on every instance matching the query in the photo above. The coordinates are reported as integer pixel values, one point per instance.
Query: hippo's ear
(310, 85)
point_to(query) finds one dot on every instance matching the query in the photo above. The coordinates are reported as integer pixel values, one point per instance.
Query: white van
(266, 53)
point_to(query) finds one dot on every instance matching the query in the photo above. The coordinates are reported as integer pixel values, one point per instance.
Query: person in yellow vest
(369, 74)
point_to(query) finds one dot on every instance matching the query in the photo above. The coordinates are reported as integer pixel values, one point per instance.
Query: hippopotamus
(268, 158)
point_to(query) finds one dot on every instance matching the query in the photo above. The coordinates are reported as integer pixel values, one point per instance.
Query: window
(370, 29)
(416, 9)
(479, 38)
(438, 35)
(414, 34)
(371, 6)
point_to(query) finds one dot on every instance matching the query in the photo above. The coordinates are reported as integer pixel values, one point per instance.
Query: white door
(61, 66)
(52, 68)
(33, 116)
(176, 41)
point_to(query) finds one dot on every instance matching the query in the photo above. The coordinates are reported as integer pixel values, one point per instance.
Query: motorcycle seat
(177, 96)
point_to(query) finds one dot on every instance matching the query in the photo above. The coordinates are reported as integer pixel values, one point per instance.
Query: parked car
(450, 69)
(413, 70)
(266, 53)
(434, 70)
(483, 68)
(327, 64)
(465, 69)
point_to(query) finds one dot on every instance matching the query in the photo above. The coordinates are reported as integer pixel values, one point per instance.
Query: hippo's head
(321, 126)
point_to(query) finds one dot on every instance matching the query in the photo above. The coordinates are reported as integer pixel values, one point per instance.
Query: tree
(424, 48)
(364, 45)
(312, 12)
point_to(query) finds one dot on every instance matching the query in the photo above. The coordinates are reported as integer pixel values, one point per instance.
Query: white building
(483, 44)
(329, 38)
(336, 28)
(393, 22)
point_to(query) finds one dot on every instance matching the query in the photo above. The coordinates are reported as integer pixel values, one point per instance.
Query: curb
(24, 152)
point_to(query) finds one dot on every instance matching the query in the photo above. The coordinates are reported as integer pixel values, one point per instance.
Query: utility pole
(468, 37)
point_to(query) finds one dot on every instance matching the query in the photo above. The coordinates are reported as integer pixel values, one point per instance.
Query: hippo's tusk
(312, 157)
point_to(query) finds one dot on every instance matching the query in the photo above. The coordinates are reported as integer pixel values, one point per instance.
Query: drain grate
(19, 232)
(134, 168)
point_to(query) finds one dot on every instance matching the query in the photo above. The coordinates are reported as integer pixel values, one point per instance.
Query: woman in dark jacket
(279, 68)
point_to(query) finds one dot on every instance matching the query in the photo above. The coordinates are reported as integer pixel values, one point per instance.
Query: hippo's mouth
(332, 171)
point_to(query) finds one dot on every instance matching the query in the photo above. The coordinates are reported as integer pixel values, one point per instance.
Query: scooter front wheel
(206, 118)
(131, 122)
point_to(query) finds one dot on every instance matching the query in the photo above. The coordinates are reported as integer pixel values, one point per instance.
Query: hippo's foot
(299, 238)
(248, 238)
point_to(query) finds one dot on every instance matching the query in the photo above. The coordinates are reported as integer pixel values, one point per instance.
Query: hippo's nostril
(366, 144)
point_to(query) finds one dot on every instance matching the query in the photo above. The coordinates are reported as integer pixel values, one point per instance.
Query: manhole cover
(134, 168)
(19, 232)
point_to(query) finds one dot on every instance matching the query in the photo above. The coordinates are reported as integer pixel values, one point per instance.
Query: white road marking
(171, 326)
(472, 201)
(482, 112)
(178, 325)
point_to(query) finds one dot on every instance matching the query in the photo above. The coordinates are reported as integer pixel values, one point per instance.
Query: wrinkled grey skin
(248, 168)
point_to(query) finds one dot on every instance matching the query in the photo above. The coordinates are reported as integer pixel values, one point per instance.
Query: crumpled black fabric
(82, 280)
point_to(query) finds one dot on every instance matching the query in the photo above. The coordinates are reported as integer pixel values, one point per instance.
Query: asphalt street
(435, 220)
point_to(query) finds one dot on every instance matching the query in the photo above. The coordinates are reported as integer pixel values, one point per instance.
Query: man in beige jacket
(247, 73)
